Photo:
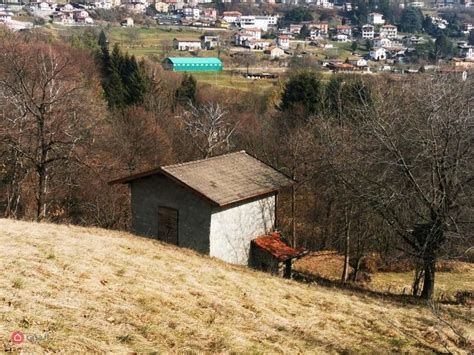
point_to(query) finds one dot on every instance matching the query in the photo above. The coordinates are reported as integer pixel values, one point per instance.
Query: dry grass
(325, 264)
(329, 265)
(447, 283)
(95, 290)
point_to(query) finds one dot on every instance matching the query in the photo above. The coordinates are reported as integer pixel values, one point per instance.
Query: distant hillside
(85, 290)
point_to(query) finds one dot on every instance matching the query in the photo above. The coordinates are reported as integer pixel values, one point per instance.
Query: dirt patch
(325, 264)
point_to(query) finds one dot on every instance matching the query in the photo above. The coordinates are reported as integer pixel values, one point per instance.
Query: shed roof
(274, 245)
(189, 60)
(187, 39)
(231, 13)
(223, 179)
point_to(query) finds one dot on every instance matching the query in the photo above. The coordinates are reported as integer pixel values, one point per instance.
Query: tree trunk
(40, 193)
(356, 268)
(293, 215)
(327, 222)
(429, 278)
(419, 272)
(345, 271)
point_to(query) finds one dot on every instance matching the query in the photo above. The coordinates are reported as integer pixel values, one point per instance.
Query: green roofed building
(192, 64)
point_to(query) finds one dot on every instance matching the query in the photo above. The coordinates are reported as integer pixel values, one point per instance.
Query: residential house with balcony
(388, 31)
(368, 31)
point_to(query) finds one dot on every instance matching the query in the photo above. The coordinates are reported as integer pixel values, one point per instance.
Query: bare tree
(166, 47)
(133, 37)
(208, 127)
(136, 140)
(408, 153)
(48, 105)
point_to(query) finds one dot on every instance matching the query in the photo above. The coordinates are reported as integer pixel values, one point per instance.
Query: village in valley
(237, 176)
(271, 37)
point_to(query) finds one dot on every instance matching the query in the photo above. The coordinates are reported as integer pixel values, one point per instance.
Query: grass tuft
(18, 283)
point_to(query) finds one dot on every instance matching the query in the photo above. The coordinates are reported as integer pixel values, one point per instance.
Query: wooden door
(168, 225)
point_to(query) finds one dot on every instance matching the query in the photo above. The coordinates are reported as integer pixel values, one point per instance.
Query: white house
(68, 7)
(417, 4)
(382, 42)
(358, 62)
(283, 41)
(368, 31)
(323, 27)
(44, 6)
(466, 50)
(256, 44)
(439, 22)
(378, 53)
(5, 14)
(186, 44)
(191, 13)
(344, 30)
(216, 206)
(63, 18)
(388, 31)
(104, 4)
(247, 34)
(135, 6)
(231, 17)
(261, 22)
(128, 22)
(467, 27)
(323, 3)
(82, 16)
(295, 28)
(341, 38)
(208, 14)
(275, 52)
(209, 42)
(162, 7)
(374, 18)
(315, 34)
(415, 40)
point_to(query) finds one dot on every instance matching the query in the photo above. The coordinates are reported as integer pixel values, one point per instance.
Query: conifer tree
(303, 90)
(187, 90)
(114, 87)
(125, 80)
(104, 49)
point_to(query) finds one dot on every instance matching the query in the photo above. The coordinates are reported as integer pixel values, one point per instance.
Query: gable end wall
(194, 212)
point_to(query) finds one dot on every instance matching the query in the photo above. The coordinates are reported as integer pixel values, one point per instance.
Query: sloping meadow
(84, 289)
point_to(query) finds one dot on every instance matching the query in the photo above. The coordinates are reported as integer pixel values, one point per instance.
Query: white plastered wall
(232, 229)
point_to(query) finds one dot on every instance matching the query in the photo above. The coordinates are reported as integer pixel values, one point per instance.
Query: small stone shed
(215, 206)
(270, 253)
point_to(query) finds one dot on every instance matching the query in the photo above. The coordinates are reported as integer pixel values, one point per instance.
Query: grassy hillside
(98, 290)
(328, 265)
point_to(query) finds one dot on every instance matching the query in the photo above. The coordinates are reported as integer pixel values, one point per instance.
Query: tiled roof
(251, 29)
(187, 39)
(344, 66)
(231, 13)
(223, 179)
(274, 245)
